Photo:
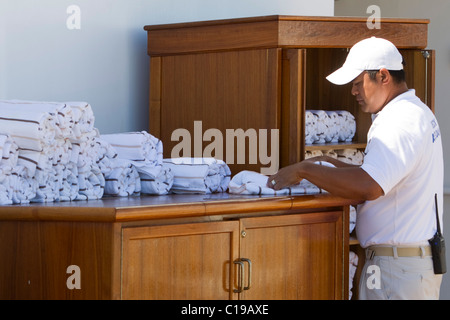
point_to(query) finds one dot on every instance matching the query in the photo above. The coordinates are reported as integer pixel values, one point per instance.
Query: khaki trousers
(399, 278)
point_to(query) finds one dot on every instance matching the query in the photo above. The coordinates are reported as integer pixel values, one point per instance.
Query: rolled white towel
(333, 127)
(91, 183)
(198, 175)
(23, 189)
(143, 149)
(157, 181)
(310, 127)
(68, 182)
(123, 180)
(61, 112)
(353, 264)
(313, 153)
(47, 186)
(106, 156)
(351, 156)
(347, 127)
(9, 151)
(352, 218)
(254, 183)
(322, 124)
(83, 119)
(29, 127)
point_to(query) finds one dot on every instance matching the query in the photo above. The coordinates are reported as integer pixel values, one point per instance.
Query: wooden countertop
(121, 209)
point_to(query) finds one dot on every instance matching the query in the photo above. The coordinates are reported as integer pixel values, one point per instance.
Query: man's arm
(349, 182)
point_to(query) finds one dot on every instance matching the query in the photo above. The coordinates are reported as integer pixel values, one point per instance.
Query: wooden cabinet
(262, 73)
(177, 247)
(278, 257)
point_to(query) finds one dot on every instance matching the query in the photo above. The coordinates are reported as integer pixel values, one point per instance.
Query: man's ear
(385, 76)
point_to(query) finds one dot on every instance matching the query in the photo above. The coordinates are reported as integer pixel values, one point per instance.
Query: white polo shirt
(404, 156)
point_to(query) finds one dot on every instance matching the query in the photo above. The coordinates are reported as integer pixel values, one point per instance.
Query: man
(397, 182)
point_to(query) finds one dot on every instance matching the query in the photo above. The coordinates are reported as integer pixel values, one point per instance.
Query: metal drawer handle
(249, 278)
(241, 276)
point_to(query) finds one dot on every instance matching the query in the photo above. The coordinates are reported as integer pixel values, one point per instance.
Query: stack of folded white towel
(55, 142)
(51, 151)
(329, 126)
(135, 165)
(198, 175)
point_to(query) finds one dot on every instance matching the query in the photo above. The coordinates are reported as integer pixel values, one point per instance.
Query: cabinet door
(420, 71)
(190, 261)
(295, 257)
(222, 99)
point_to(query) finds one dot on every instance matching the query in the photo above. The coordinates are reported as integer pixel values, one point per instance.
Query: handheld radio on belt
(437, 244)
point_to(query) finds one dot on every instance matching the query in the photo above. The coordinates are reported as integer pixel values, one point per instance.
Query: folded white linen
(321, 126)
(5, 197)
(123, 180)
(333, 127)
(198, 175)
(352, 218)
(310, 127)
(83, 119)
(143, 149)
(351, 156)
(329, 126)
(47, 185)
(23, 189)
(91, 183)
(30, 127)
(250, 182)
(61, 112)
(9, 151)
(106, 156)
(157, 180)
(313, 153)
(353, 264)
(347, 125)
(67, 182)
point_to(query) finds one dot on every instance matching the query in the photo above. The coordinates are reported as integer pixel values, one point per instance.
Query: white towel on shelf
(198, 175)
(353, 264)
(123, 180)
(351, 156)
(313, 153)
(310, 127)
(347, 125)
(333, 127)
(254, 183)
(321, 125)
(352, 218)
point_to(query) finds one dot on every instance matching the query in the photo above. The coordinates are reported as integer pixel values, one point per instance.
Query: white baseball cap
(368, 54)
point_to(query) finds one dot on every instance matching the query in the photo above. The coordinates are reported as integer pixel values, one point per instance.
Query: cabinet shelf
(334, 146)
